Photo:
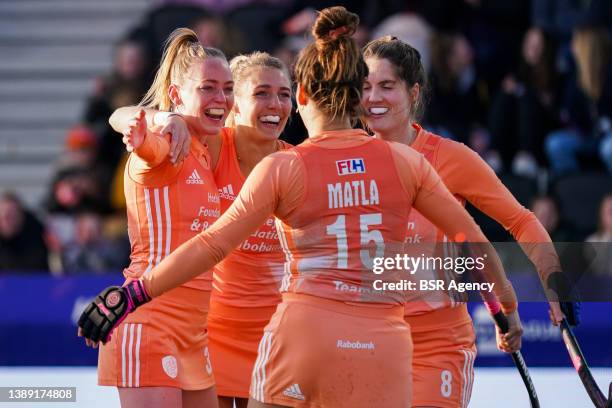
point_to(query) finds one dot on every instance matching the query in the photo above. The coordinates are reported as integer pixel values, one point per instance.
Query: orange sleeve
(276, 175)
(153, 151)
(467, 175)
(433, 200)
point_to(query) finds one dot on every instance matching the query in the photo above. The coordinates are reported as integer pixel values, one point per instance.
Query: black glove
(109, 309)
(567, 296)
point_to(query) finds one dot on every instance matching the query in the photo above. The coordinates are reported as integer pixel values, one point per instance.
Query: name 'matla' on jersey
(352, 194)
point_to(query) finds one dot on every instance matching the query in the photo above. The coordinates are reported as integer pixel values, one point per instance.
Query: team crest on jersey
(194, 178)
(350, 166)
(170, 367)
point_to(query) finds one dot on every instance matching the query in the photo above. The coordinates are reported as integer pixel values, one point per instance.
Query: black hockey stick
(583, 369)
(498, 315)
(517, 357)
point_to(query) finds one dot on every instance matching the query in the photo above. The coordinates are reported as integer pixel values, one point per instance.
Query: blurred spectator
(214, 32)
(494, 29)
(289, 48)
(162, 20)
(22, 244)
(604, 233)
(232, 29)
(124, 85)
(74, 190)
(602, 239)
(77, 184)
(587, 105)
(546, 210)
(90, 251)
(410, 28)
(559, 17)
(81, 148)
(457, 107)
(302, 13)
(525, 108)
(221, 7)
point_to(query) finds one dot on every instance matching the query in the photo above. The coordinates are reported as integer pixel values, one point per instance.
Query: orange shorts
(324, 353)
(443, 361)
(234, 334)
(162, 344)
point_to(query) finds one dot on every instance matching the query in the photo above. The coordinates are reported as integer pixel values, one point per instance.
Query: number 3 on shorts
(446, 388)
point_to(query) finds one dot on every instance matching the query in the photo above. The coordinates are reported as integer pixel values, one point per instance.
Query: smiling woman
(204, 96)
(263, 89)
(293, 367)
(393, 98)
(159, 356)
(245, 285)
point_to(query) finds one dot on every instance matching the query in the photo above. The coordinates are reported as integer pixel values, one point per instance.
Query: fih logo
(350, 166)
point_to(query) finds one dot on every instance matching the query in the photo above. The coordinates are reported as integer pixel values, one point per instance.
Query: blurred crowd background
(526, 84)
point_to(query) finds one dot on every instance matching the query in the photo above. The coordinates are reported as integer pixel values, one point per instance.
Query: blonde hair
(241, 67)
(332, 70)
(591, 47)
(181, 50)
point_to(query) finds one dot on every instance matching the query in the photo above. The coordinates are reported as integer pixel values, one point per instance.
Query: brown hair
(241, 66)
(331, 70)
(542, 75)
(180, 51)
(591, 46)
(442, 45)
(407, 63)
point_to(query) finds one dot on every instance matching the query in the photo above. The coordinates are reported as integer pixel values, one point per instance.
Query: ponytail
(180, 51)
(332, 70)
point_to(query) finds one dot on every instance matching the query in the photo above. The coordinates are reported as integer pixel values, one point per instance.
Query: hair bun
(333, 23)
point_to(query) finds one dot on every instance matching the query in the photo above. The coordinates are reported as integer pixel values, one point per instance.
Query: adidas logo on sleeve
(294, 391)
(194, 178)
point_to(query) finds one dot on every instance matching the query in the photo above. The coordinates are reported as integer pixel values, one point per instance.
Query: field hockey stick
(581, 366)
(517, 356)
(501, 320)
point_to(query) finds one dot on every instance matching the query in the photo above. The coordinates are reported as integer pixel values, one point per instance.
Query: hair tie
(337, 32)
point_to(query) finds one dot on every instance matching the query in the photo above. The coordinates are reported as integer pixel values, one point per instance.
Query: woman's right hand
(134, 135)
(108, 310)
(179, 137)
(511, 341)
